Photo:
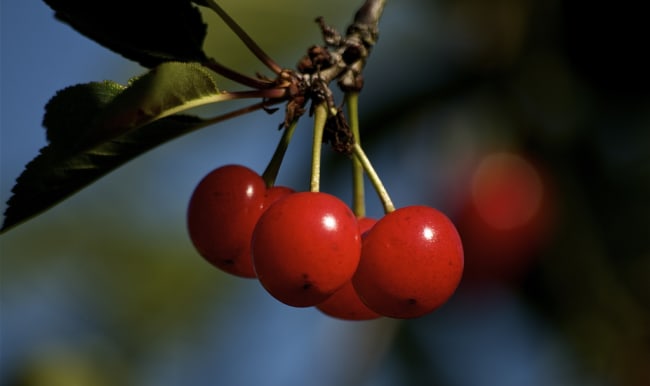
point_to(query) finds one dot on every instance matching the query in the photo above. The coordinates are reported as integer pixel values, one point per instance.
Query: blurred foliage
(567, 85)
(563, 83)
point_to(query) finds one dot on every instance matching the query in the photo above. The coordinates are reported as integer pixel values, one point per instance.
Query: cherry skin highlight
(305, 247)
(411, 263)
(222, 213)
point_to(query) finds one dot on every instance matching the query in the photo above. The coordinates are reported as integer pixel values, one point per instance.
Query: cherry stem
(269, 93)
(223, 117)
(374, 178)
(233, 114)
(231, 74)
(358, 193)
(245, 38)
(272, 169)
(320, 118)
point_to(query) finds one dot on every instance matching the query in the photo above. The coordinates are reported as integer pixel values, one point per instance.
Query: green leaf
(147, 31)
(165, 90)
(55, 175)
(70, 113)
(94, 128)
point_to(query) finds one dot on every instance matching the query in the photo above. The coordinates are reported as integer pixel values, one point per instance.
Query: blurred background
(525, 121)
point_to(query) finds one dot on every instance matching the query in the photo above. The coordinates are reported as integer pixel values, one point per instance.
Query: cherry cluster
(310, 249)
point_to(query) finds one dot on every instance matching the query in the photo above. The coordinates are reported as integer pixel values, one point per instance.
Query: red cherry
(275, 193)
(507, 190)
(345, 303)
(365, 224)
(305, 247)
(222, 213)
(411, 263)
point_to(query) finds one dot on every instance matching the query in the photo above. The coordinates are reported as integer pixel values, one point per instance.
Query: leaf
(165, 90)
(53, 175)
(147, 31)
(69, 114)
(93, 128)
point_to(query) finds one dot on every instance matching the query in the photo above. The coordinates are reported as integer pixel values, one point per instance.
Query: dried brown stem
(350, 55)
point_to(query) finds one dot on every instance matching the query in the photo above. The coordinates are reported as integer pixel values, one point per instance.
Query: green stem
(272, 94)
(245, 38)
(358, 193)
(374, 178)
(272, 169)
(320, 118)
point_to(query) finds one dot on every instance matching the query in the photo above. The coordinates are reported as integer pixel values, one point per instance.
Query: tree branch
(350, 53)
(367, 18)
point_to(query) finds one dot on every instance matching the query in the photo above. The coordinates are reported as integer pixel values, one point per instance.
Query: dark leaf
(70, 113)
(147, 31)
(55, 175)
(94, 128)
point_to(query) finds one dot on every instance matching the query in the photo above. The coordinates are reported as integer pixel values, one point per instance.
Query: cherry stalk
(245, 38)
(358, 191)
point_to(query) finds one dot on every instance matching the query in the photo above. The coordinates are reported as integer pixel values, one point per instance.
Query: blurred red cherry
(504, 217)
